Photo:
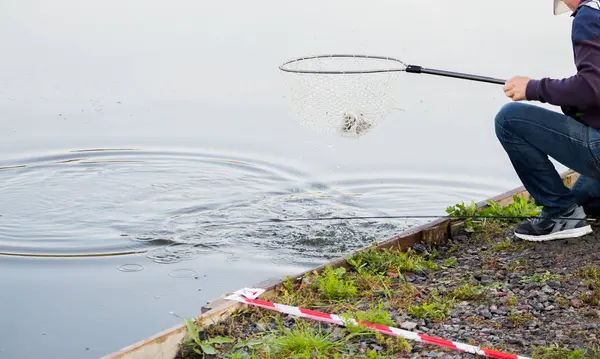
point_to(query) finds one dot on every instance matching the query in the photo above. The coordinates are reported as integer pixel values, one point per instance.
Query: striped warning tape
(250, 295)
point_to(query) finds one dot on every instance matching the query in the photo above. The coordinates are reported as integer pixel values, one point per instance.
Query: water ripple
(175, 206)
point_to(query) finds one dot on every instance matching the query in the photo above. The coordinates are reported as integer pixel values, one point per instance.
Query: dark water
(138, 138)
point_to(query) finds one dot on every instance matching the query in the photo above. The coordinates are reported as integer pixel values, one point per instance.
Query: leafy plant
(518, 208)
(510, 213)
(198, 345)
(521, 207)
(462, 210)
(332, 286)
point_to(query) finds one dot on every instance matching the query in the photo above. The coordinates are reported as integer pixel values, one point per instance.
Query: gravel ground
(496, 291)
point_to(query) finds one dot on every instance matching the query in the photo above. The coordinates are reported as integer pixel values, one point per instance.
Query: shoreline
(512, 288)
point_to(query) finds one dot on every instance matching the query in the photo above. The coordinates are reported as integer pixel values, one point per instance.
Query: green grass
(383, 261)
(564, 353)
(468, 291)
(434, 307)
(303, 341)
(539, 278)
(450, 262)
(504, 245)
(375, 315)
(591, 276)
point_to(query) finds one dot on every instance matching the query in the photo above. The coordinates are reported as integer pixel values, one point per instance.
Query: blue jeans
(530, 135)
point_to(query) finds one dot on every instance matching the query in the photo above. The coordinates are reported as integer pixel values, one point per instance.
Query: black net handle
(421, 70)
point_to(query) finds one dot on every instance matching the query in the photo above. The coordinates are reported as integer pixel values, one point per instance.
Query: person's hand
(515, 87)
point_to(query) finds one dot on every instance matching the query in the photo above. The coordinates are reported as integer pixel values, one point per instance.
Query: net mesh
(349, 103)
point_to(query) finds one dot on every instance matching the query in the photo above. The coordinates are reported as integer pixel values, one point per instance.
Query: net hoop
(348, 106)
(286, 67)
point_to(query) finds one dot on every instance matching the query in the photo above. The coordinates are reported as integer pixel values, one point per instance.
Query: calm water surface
(135, 138)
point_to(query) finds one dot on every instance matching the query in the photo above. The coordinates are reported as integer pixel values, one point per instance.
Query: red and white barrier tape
(250, 295)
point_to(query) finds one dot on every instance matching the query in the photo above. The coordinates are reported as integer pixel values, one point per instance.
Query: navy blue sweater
(579, 95)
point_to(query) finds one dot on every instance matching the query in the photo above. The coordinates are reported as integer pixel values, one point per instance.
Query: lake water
(136, 136)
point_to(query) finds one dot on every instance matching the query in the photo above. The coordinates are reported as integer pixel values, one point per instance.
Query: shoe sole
(569, 233)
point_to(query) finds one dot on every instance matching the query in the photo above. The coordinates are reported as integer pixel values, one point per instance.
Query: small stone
(376, 347)
(515, 281)
(547, 290)
(549, 308)
(515, 341)
(486, 314)
(486, 281)
(576, 303)
(408, 325)
(532, 286)
(419, 248)
(553, 284)
(538, 306)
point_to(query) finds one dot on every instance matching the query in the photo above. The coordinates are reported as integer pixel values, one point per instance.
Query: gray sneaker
(548, 229)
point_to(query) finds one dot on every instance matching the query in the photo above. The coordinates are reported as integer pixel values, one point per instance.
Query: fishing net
(344, 95)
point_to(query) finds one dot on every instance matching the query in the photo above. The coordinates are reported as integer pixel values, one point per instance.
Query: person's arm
(583, 89)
